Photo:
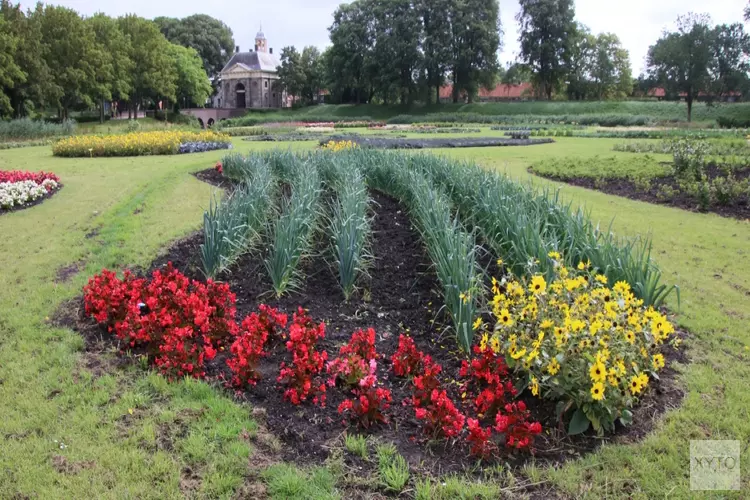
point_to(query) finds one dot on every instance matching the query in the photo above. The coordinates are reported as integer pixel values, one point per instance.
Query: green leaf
(579, 423)
(627, 417)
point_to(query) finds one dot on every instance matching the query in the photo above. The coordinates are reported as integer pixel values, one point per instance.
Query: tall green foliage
(548, 34)
(153, 75)
(211, 38)
(193, 86)
(113, 70)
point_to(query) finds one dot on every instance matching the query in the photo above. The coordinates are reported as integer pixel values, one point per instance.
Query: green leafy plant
(349, 228)
(293, 230)
(356, 444)
(235, 225)
(393, 469)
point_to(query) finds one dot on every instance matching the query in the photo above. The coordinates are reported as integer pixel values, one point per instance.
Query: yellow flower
(636, 384)
(583, 265)
(554, 255)
(515, 354)
(621, 287)
(630, 337)
(658, 361)
(601, 279)
(538, 284)
(505, 318)
(553, 367)
(483, 342)
(598, 372)
(597, 391)
(495, 345)
(499, 262)
(547, 323)
(534, 386)
(477, 323)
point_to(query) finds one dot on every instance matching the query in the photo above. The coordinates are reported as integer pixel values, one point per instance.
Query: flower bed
(141, 143)
(19, 188)
(459, 142)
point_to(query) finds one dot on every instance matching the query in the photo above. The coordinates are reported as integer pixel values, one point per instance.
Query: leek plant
(235, 225)
(294, 228)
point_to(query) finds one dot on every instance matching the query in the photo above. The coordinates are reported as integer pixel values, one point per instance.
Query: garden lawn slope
(660, 111)
(74, 426)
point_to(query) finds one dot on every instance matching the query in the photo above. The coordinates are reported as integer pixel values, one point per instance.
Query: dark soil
(629, 189)
(459, 142)
(401, 296)
(30, 204)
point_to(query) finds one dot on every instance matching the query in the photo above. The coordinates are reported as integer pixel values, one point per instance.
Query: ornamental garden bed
(720, 189)
(141, 143)
(485, 402)
(418, 143)
(23, 189)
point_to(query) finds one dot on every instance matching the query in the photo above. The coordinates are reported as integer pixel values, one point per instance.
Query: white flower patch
(14, 194)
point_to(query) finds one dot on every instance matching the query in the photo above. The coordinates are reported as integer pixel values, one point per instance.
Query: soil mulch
(38, 201)
(459, 142)
(629, 189)
(401, 296)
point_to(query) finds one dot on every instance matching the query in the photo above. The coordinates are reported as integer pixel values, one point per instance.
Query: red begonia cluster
(353, 361)
(489, 374)
(180, 322)
(490, 383)
(23, 175)
(407, 359)
(369, 401)
(300, 378)
(248, 347)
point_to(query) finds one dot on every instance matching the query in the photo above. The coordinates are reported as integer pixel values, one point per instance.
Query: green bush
(27, 129)
(614, 167)
(733, 122)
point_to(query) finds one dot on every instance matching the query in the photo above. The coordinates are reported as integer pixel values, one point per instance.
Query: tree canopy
(548, 36)
(697, 58)
(212, 38)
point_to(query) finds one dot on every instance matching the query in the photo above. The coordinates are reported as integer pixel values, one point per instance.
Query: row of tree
(698, 59)
(405, 50)
(400, 51)
(51, 57)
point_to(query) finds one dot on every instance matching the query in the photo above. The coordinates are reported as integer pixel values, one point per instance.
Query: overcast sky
(638, 23)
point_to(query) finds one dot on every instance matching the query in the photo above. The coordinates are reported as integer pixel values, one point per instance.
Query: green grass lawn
(73, 429)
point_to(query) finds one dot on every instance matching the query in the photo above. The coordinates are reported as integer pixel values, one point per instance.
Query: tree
(72, 55)
(291, 75)
(730, 51)
(193, 85)
(610, 69)
(311, 65)
(516, 74)
(10, 73)
(476, 41)
(582, 61)
(349, 68)
(153, 75)
(396, 31)
(681, 60)
(547, 36)
(112, 79)
(436, 42)
(212, 38)
(36, 88)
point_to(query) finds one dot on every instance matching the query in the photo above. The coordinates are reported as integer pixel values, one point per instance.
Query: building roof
(254, 61)
(501, 91)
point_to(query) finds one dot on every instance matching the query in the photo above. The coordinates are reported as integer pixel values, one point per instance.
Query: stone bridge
(208, 116)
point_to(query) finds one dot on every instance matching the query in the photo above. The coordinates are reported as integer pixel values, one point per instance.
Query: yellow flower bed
(336, 146)
(163, 142)
(592, 347)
